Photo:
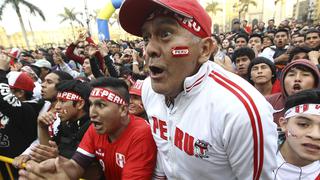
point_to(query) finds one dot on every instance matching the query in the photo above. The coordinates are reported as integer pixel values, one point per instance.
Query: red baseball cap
(20, 80)
(136, 88)
(134, 13)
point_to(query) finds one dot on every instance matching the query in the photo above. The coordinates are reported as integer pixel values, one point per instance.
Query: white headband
(303, 109)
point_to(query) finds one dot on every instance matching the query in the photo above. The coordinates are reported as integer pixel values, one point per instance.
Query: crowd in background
(278, 61)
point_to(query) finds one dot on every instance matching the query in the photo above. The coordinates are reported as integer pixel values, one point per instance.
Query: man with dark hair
(312, 39)
(242, 58)
(262, 75)
(297, 76)
(297, 40)
(255, 43)
(241, 40)
(271, 25)
(299, 152)
(278, 53)
(71, 114)
(299, 52)
(121, 143)
(48, 93)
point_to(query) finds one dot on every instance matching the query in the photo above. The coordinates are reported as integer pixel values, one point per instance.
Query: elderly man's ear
(206, 48)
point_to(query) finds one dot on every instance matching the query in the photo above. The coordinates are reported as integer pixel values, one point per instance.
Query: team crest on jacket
(120, 160)
(201, 149)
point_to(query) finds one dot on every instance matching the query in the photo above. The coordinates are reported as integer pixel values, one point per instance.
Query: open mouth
(297, 87)
(155, 70)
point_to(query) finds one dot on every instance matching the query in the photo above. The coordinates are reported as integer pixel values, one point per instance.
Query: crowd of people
(179, 103)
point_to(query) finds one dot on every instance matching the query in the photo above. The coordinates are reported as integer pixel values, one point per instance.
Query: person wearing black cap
(299, 152)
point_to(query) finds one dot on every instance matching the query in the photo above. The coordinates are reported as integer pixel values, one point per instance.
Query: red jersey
(131, 156)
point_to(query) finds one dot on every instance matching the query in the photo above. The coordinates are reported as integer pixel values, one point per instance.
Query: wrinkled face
(48, 90)
(162, 35)
(242, 64)
(312, 40)
(281, 39)
(304, 143)
(297, 80)
(225, 44)
(298, 41)
(86, 67)
(255, 42)
(135, 106)
(67, 111)
(261, 73)
(241, 42)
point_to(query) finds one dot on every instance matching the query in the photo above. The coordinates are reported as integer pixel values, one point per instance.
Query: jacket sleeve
(64, 67)
(94, 68)
(250, 139)
(72, 56)
(111, 68)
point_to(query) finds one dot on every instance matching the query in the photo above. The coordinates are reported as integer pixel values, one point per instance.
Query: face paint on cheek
(290, 134)
(180, 51)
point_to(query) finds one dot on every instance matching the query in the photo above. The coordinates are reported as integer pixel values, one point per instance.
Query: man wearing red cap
(18, 117)
(207, 123)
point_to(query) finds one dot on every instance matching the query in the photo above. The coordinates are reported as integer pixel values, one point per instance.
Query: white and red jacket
(220, 127)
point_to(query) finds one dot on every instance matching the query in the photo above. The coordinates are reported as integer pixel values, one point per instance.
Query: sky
(50, 9)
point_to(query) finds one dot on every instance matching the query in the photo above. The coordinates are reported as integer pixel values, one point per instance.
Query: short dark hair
(83, 89)
(296, 50)
(260, 60)
(256, 35)
(244, 36)
(310, 96)
(115, 84)
(244, 51)
(282, 30)
(311, 31)
(62, 75)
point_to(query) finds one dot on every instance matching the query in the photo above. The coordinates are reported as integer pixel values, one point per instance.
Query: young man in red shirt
(121, 143)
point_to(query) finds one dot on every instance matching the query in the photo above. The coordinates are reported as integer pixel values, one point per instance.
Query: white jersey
(220, 127)
(288, 171)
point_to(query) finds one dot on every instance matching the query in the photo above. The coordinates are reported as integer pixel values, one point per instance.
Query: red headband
(107, 95)
(187, 23)
(69, 96)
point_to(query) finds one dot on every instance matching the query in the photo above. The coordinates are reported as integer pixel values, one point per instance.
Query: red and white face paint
(180, 51)
(107, 95)
(313, 109)
(68, 96)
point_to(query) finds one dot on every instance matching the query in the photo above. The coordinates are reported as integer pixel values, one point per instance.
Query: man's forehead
(158, 22)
